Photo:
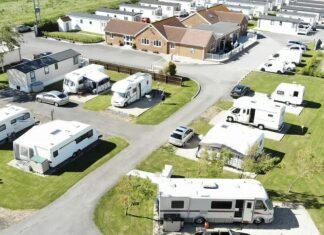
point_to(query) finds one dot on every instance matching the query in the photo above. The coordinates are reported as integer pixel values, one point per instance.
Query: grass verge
(3, 80)
(75, 37)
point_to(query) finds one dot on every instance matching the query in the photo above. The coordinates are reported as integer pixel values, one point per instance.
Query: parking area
(81, 98)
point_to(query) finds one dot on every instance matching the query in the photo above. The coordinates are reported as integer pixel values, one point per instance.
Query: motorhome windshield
(122, 95)
(269, 204)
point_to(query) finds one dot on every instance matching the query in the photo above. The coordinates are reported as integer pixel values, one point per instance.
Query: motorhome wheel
(262, 69)
(125, 105)
(258, 221)
(278, 72)
(12, 137)
(39, 100)
(261, 127)
(56, 104)
(199, 220)
(287, 103)
(229, 119)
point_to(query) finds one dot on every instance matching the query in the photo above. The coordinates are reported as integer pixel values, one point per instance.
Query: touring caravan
(14, 119)
(91, 78)
(52, 143)
(214, 200)
(289, 93)
(130, 89)
(263, 114)
(238, 139)
(286, 55)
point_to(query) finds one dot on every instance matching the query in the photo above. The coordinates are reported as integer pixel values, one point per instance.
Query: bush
(74, 37)
(49, 25)
(169, 69)
(134, 46)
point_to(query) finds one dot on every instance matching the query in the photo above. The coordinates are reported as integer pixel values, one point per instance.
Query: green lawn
(76, 36)
(201, 126)
(308, 191)
(252, 23)
(3, 80)
(21, 190)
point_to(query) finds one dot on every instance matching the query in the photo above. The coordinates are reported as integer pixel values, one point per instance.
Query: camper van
(289, 93)
(52, 143)
(292, 56)
(130, 89)
(91, 78)
(14, 119)
(238, 139)
(214, 200)
(263, 114)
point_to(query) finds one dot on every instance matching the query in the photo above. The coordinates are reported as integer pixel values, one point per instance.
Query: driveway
(72, 213)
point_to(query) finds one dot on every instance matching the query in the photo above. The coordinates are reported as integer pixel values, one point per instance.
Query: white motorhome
(91, 78)
(289, 93)
(52, 143)
(214, 200)
(292, 56)
(263, 114)
(14, 119)
(239, 140)
(130, 89)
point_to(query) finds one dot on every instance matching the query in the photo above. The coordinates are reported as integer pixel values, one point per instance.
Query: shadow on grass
(88, 158)
(141, 217)
(311, 104)
(274, 153)
(296, 130)
(307, 55)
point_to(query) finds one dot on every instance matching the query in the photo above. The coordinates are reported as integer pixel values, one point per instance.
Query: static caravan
(306, 18)
(319, 13)
(239, 140)
(289, 93)
(9, 56)
(52, 143)
(263, 114)
(290, 56)
(91, 78)
(120, 15)
(130, 89)
(214, 200)
(34, 75)
(85, 22)
(14, 119)
(148, 12)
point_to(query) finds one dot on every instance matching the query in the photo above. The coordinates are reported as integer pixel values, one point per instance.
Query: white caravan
(273, 67)
(14, 119)
(214, 200)
(289, 93)
(293, 56)
(239, 140)
(130, 89)
(262, 113)
(91, 78)
(53, 143)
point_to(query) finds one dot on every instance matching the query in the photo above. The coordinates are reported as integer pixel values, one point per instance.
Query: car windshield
(61, 96)
(238, 88)
(176, 136)
(269, 204)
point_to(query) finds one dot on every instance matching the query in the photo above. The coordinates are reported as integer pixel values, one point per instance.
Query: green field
(76, 36)
(21, 11)
(22, 190)
(3, 80)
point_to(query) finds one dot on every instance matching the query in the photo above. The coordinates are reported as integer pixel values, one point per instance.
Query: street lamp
(37, 16)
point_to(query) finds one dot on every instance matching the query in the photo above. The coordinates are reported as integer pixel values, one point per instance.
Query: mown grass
(3, 80)
(21, 190)
(75, 37)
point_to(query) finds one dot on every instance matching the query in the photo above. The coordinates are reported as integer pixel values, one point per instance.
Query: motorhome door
(248, 211)
(252, 115)
(295, 97)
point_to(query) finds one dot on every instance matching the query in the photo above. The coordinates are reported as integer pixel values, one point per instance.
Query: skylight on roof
(56, 132)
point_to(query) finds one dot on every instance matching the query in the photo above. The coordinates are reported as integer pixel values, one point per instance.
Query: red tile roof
(125, 27)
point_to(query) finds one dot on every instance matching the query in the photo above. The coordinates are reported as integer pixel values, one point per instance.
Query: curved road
(72, 213)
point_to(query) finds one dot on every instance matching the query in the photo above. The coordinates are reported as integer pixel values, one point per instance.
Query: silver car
(181, 136)
(53, 97)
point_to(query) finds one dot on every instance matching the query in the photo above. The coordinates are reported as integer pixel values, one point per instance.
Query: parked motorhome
(14, 119)
(263, 114)
(214, 200)
(239, 140)
(292, 56)
(91, 78)
(52, 143)
(289, 93)
(130, 89)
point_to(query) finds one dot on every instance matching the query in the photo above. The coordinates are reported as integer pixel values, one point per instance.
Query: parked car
(181, 136)
(273, 67)
(298, 48)
(53, 97)
(24, 28)
(219, 231)
(292, 43)
(239, 91)
(40, 55)
(290, 67)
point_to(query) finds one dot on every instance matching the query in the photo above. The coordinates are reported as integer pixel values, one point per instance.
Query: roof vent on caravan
(56, 132)
(211, 185)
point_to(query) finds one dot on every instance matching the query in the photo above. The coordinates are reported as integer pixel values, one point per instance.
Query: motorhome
(14, 119)
(52, 143)
(238, 139)
(292, 56)
(130, 89)
(289, 93)
(91, 78)
(214, 200)
(261, 113)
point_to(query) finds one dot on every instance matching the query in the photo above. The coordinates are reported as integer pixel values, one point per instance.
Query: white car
(301, 48)
(273, 67)
(180, 136)
(288, 65)
(293, 43)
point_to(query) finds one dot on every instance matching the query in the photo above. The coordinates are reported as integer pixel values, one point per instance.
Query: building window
(115, 16)
(32, 76)
(157, 43)
(193, 50)
(111, 35)
(177, 204)
(90, 22)
(168, 8)
(81, 21)
(24, 151)
(46, 70)
(271, 22)
(55, 153)
(280, 23)
(2, 127)
(76, 59)
(145, 41)
(56, 66)
(221, 205)
(125, 18)
(172, 45)
(13, 121)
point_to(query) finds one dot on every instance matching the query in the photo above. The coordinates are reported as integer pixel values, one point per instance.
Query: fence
(177, 80)
(252, 38)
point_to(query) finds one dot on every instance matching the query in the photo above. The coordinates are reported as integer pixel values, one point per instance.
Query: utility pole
(37, 17)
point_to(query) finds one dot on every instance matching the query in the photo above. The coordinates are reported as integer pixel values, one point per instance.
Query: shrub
(49, 25)
(74, 37)
(169, 69)
(134, 46)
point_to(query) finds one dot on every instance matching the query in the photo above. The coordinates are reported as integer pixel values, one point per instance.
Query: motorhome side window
(259, 205)
(237, 110)
(280, 92)
(177, 204)
(89, 134)
(295, 94)
(221, 205)
(2, 127)
(134, 90)
(26, 116)
(13, 121)
(270, 115)
(55, 153)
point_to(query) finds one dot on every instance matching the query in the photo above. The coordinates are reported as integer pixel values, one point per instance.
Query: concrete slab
(137, 108)
(220, 117)
(190, 149)
(81, 98)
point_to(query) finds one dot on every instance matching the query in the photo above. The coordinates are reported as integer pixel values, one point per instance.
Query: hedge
(75, 37)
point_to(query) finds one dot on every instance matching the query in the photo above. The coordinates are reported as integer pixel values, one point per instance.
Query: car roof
(54, 92)
(182, 128)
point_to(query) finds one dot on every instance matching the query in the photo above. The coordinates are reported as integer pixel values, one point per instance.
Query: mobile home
(9, 56)
(289, 93)
(239, 140)
(91, 78)
(31, 75)
(214, 200)
(118, 14)
(292, 56)
(263, 114)
(14, 119)
(52, 143)
(130, 89)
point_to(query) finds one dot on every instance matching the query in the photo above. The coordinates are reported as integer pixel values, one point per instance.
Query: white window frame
(145, 41)
(157, 43)
(46, 70)
(111, 35)
(172, 45)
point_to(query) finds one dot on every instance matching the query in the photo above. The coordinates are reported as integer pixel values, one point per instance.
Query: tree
(169, 69)
(135, 190)
(307, 166)
(10, 38)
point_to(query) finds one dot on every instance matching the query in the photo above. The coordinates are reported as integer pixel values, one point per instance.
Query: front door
(67, 26)
(239, 204)
(248, 211)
